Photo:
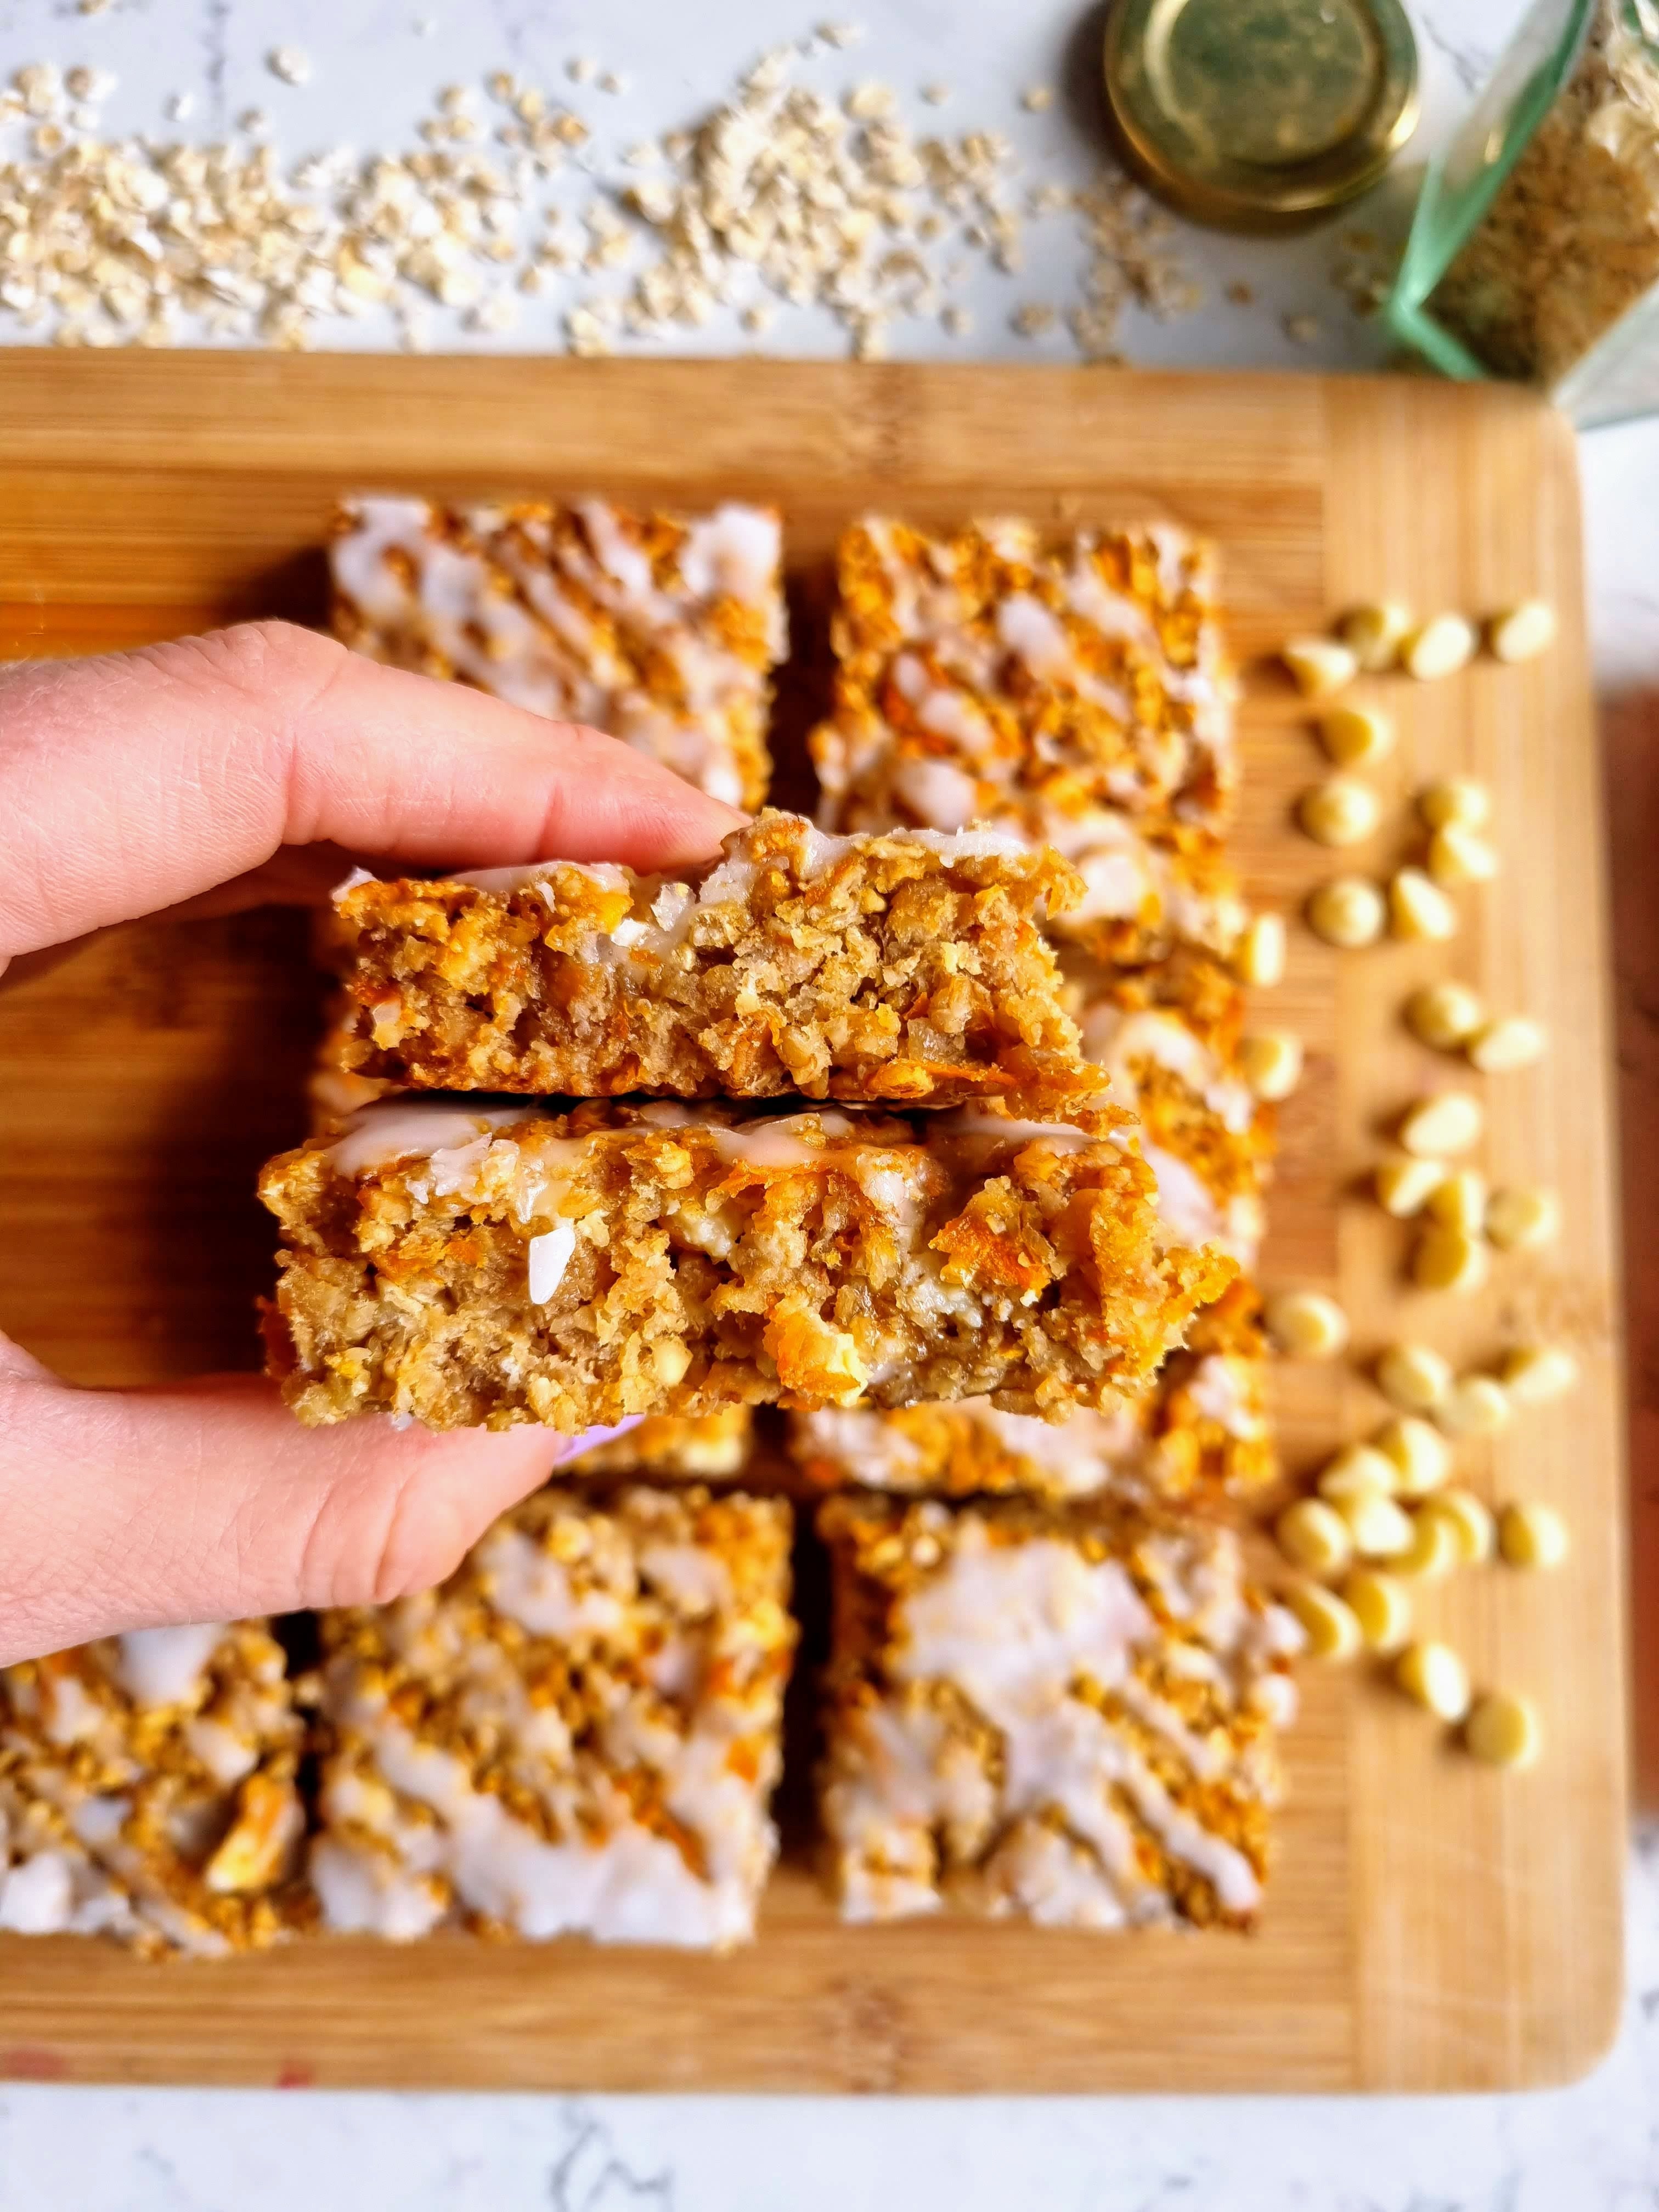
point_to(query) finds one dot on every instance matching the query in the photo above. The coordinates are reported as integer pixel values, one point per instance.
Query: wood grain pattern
(1433, 1926)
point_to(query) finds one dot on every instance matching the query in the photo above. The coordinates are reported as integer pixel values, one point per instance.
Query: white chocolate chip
(1306, 1325)
(1355, 737)
(1444, 1014)
(1499, 1047)
(1434, 1550)
(1504, 1731)
(1347, 911)
(1459, 1201)
(1460, 799)
(1448, 1123)
(1471, 1523)
(1381, 1605)
(1522, 631)
(291, 64)
(1271, 1063)
(1341, 810)
(1475, 1405)
(1404, 1185)
(1320, 667)
(1374, 633)
(1419, 910)
(1331, 1627)
(1519, 1219)
(1434, 1675)
(1449, 1260)
(1380, 1528)
(1260, 957)
(1415, 1377)
(1533, 1535)
(1420, 1456)
(1315, 1536)
(1357, 1471)
(1438, 648)
(1457, 856)
(1535, 1374)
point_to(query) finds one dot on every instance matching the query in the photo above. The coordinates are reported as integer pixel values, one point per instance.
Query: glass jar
(1534, 250)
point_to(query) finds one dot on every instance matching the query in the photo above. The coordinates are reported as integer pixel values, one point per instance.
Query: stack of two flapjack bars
(992, 701)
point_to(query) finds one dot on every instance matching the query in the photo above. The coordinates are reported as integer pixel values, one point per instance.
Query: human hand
(213, 774)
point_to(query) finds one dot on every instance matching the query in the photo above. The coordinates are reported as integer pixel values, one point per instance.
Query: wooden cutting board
(1432, 1925)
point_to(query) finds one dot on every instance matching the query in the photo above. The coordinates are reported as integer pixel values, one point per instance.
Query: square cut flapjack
(982, 677)
(908, 969)
(471, 1264)
(578, 1733)
(147, 1791)
(662, 629)
(1065, 1713)
(1200, 1435)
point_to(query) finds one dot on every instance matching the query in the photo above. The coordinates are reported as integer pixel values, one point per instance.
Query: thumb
(207, 1501)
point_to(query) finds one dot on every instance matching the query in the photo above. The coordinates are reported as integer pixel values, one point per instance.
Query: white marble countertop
(375, 68)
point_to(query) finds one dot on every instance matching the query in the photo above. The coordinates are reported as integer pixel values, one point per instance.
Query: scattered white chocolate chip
(1271, 1063)
(1533, 1374)
(1354, 737)
(1499, 1047)
(1449, 1260)
(1319, 666)
(1460, 799)
(1380, 1528)
(1330, 1625)
(1419, 910)
(1522, 631)
(1475, 1405)
(1357, 1471)
(1381, 1605)
(1457, 856)
(1504, 1731)
(1532, 1534)
(1470, 1521)
(1450, 1123)
(1434, 1675)
(1314, 1535)
(1415, 1377)
(1306, 1325)
(1404, 1185)
(1374, 633)
(1036, 97)
(1444, 1014)
(1433, 1552)
(1459, 1201)
(1520, 1218)
(1419, 1455)
(1341, 810)
(1347, 911)
(291, 64)
(1439, 647)
(1259, 958)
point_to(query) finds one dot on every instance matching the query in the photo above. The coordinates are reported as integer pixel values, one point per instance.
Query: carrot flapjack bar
(147, 1791)
(470, 1264)
(577, 1732)
(1167, 1037)
(1063, 1712)
(910, 968)
(980, 678)
(662, 629)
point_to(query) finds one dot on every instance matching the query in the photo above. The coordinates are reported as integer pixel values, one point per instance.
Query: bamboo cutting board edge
(1432, 1926)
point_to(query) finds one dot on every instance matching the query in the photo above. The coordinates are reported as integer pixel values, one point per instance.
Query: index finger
(132, 782)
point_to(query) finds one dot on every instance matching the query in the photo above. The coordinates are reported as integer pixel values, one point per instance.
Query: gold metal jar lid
(1259, 114)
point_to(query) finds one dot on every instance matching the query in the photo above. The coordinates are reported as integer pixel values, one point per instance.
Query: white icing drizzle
(163, 1665)
(549, 1256)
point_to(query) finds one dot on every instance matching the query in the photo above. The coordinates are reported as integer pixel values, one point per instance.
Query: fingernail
(591, 1439)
